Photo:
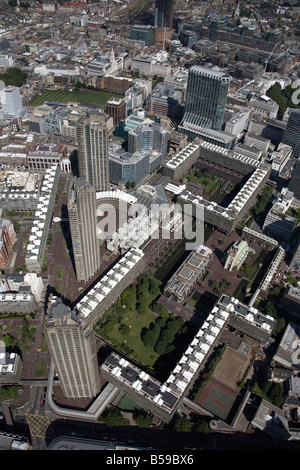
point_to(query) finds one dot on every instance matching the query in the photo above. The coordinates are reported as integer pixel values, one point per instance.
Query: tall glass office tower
(291, 135)
(205, 99)
(164, 13)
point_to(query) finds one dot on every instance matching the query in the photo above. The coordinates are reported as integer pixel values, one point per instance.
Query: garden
(143, 329)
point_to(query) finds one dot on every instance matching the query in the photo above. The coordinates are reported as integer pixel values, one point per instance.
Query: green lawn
(59, 272)
(133, 341)
(89, 96)
(210, 183)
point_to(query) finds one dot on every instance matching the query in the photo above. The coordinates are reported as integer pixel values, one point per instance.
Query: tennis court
(217, 399)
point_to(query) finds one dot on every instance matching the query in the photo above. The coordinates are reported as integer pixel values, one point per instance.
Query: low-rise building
(40, 229)
(46, 155)
(17, 302)
(290, 300)
(28, 282)
(107, 290)
(156, 63)
(237, 124)
(236, 255)
(277, 223)
(288, 350)
(178, 165)
(180, 286)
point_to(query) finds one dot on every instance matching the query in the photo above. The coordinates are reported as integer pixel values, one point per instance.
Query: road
(166, 439)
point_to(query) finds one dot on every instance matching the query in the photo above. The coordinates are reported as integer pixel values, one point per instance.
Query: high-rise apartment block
(92, 137)
(83, 226)
(291, 135)
(164, 13)
(72, 345)
(205, 103)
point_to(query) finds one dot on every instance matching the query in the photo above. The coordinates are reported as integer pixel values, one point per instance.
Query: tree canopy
(14, 76)
(283, 97)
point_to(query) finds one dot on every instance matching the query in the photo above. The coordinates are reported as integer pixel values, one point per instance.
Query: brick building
(7, 239)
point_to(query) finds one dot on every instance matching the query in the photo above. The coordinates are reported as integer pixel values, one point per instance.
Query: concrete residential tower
(92, 136)
(83, 226)
(72, 344)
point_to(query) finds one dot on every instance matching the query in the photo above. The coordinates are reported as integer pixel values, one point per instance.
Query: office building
(10, 367)
(83, 226)
(149, 136)
(72, 345)
(127, 167)
(295, 262)
(205, 100)
(153, 63)
(277, 223)
(164, 13)
(116, 108)
(28, 282)
(288, 350)
(11, 101)
(237, 124)
(291, 134)
(42, 157)
(264, 107)
(144, 33)
(92, 137)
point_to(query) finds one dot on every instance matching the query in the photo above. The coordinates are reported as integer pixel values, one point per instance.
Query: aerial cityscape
(150, 227)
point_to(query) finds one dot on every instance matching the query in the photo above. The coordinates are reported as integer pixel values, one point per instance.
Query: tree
(279, 326)
(135, 73)
(183, 425)
(150, 335)
(124, 330)
(154, 289)
(202, 427)
(114, 418)
(14, 76)
(128, 298)
(143, 420)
